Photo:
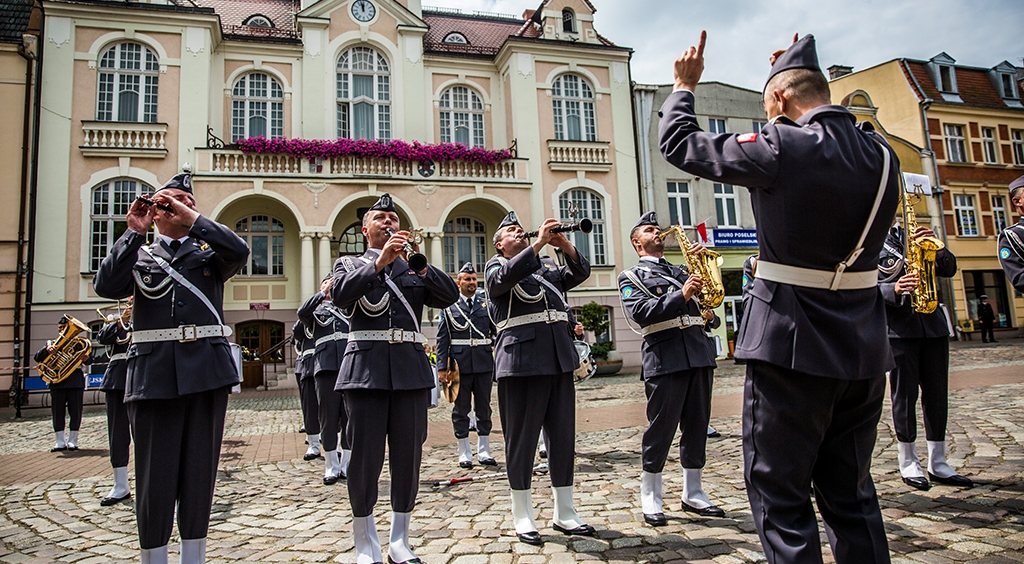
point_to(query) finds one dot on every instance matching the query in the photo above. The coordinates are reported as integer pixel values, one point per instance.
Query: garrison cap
(510, 219)
(649, 218)
(800, 55)
(182, 181)
(468, 268)
(384, 204)
(1017, 184)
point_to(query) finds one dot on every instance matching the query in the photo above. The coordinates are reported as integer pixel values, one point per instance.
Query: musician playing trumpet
(66, 396)
(116, 334)
(534, 359)
(678, 365)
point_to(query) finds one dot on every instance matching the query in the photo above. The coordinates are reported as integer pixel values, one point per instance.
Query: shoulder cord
(152, 292)
(171, 273)
(369, 308)
(1015, 241)
(636, 281)
(516, 291)
(449, 313)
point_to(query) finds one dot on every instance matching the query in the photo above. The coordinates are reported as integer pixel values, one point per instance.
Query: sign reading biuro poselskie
(733, 238)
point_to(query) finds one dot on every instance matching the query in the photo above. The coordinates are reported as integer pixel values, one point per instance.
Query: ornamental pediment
(362, 12)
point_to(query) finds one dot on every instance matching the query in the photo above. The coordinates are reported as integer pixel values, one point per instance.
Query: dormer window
(258, 21)
(457, 38)
(568, 21)
(1009, 90)
(946, 80)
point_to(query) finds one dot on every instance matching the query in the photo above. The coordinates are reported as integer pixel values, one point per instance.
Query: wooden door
(255, 338)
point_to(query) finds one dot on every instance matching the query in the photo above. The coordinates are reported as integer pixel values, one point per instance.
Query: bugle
(417, 261)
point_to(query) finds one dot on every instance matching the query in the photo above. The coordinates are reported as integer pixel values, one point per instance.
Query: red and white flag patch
(746, 138)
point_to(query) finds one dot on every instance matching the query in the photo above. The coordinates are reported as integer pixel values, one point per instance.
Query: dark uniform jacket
(671, 350)
(326, 323)
(305, 347)
(904, 322)
(812, 186)
(76, 381)
(471, 360)
(985, 314)
(117, 339)
(380, 365)
(1011, 254)
(167, 369)
(535, 349)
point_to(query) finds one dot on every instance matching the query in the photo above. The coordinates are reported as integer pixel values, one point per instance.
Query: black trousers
(66, 400)
(310, 406)
(527, 403)
(799, 431)
(333, 414)
(119, 434)
(924, 364)
(680, 400)
(987, 334)
(177, 447)
(398, 419)
(474, 392)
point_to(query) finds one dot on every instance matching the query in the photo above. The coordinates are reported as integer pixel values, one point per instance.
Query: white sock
(650, 493)
(367, 544)
(937, 464)
(465, 450)
(154, 555)
(193, 551)
(522, 511)
(564, 514)
(399, 549)
(73, 439)
(120, 488)
(483, 447)
(693, 492)
(61, 442)
(910, 463)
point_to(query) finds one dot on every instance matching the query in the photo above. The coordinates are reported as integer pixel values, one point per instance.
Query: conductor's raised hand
(689, 67)
(778, 52)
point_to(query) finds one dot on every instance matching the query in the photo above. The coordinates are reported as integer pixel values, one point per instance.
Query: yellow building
(970, 122)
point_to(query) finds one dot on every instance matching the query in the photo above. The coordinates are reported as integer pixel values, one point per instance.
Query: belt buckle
(550, 317)
(395, 336)
(188, 333)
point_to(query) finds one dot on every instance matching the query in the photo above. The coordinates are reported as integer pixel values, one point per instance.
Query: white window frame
(999, 218)
(573, 98)
(464, 230)
(966, 215)
(592, 207)
(950, 75)
(462, 111)
(569, 21)
(988, 145)
(352, 241)
(718, 125)
(680, 204)
(956, 146)
(254, 96)
(127, 68)
(348, 70)
(727, 202)
(1017, 135)
(248, 229)
(1008, 85)
(109, 203)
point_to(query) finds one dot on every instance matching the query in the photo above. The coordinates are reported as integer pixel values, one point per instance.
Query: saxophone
(920, 259)
(72, 350)
(707, 264)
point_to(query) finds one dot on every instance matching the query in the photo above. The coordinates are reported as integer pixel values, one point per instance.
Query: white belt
(336, 336)
(118, 356)
(810, 278)
(184, 333)
(393, 336)
(681, 322)
(546, 316)
(306, 353)
(471, 342)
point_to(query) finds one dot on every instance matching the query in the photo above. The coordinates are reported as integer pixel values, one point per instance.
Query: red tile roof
(234, 12)
(973, 84)
(486, 34)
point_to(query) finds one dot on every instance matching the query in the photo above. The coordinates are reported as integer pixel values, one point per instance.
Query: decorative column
(436, 250)
(326, 258)
(307, 269)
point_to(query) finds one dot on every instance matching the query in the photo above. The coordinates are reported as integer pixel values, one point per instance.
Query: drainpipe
(26, 136)
(942, 214)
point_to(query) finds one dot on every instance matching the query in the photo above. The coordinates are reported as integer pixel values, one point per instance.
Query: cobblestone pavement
(278, 511)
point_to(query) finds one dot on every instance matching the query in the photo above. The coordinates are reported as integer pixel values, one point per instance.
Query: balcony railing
(579, 155)
(232, 162)
(110, 138)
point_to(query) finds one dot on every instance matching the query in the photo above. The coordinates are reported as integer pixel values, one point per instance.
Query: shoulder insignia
(204, 246)
(493, 268)
(746, 138)
(347, 264)
(627, 291)
(1004, 253)
(746, 280)
(660, 290)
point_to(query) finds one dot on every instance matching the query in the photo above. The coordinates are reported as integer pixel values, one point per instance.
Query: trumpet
(584, 226)
(417, 261)
(123, 315)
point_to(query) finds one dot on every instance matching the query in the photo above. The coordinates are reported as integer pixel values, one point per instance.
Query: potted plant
(730, 336)
(608, 360)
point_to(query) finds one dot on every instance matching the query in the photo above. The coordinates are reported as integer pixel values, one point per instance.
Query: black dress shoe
(655, 519)
(709, 511)
(919, 483)
(583, 530)
(72, 447)
(488, 462)
(465, 464)
(532, 537)
(544, 454)
(58, 449)
(108, 501)
(331, 480)
(311, 456)
(954, 480)
(410, 561)
(714, 435)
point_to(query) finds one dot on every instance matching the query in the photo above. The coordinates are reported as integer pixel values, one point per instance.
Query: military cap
(468, 268)
(1017, 184)
(649, 218)
(510, 219)
(800, 55)
(182, 181)
(384, 204)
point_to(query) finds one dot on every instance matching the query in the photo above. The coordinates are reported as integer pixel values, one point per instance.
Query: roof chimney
(836, 71)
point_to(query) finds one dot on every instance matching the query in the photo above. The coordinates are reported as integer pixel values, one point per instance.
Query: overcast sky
(742, 33)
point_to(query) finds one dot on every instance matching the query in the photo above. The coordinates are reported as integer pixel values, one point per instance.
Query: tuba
(72, 350)
(920, 256)
(707, 264)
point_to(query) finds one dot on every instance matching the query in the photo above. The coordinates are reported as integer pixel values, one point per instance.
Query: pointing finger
(703, 40)
(796, 37)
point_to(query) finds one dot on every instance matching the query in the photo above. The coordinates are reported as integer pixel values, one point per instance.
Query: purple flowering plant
(395, 149)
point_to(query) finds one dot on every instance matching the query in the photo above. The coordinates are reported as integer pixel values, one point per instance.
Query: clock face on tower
(363, 10)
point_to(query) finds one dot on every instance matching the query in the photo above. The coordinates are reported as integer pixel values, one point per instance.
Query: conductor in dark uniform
(534, 359)
(678, 367)
(117, 336)
(920, 347)
(330, 335)
(180, 366)
(466, 334)
(814, 336)
(986, 319)
(385, 375)
(66, 397)
(1011, 239)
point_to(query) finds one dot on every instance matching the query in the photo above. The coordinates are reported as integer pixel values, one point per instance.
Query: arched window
(462, 117)
(265, 237)
(455, 37)
(110, 203)
(591, 207)
(465, 240)
(364, 95)
(128, 78)
(257, 107)
(573, 103)
(258, 21)
(568, 21)
(353, 242)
